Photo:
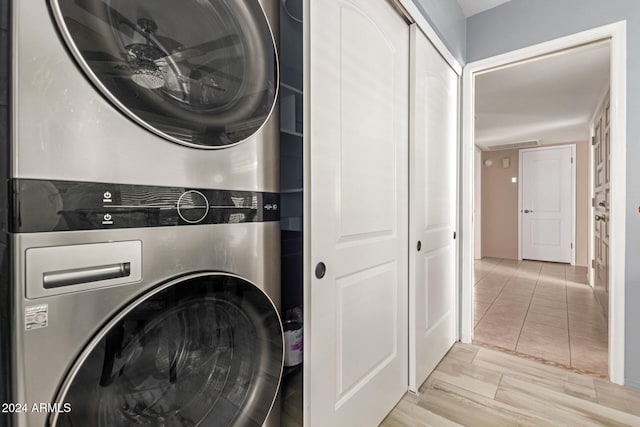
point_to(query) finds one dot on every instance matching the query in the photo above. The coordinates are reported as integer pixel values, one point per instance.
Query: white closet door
(358, 340)
(432, 248)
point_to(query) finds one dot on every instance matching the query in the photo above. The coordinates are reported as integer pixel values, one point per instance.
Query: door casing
(616, 32)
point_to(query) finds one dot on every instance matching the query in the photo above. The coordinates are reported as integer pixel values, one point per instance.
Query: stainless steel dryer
(154, 92)
(139, 215)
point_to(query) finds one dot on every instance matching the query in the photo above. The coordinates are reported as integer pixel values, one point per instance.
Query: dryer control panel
(45, 205)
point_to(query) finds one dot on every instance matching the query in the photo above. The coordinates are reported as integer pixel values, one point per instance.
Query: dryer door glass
(202, 351)
(198, 72)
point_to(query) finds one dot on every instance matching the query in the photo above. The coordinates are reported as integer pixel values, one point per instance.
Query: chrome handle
(56, 279)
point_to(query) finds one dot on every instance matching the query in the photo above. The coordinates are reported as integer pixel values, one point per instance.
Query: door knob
(321, 269)
(419, 245)
(527, 211)
(602, 204)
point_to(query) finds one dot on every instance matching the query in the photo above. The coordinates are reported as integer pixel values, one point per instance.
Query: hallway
(542, 310)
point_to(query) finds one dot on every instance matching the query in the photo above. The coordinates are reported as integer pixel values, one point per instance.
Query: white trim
(573, 195)
(467, 154)
(617, 33)
(618, 190)
(427, 29)
(574, 201)
(306, 207)
(590, 221)
(413, 387)
(477, 210)
(520, 205)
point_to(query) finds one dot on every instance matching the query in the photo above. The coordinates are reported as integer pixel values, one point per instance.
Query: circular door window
(198, 72)
(205, 350)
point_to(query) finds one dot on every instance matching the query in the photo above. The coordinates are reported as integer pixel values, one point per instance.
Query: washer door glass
(198, 72)
(201, 351)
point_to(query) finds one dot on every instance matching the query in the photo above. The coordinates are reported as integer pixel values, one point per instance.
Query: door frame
(477, 207)
(592, 210)
(616, 32)
(573, 195)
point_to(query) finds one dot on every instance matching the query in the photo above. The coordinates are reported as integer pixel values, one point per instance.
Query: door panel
(359, 54)
(433, 128)
(547, 204)
(601, 149)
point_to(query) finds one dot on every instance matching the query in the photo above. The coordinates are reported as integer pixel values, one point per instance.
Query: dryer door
(202, 350)
(198, 72)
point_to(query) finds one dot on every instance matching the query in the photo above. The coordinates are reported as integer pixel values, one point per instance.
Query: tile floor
(540, 309)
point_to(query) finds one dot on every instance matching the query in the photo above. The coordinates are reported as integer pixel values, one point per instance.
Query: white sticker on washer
(36, 317)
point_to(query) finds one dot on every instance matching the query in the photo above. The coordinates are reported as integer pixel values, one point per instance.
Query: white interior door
(433, 136)
(358, 337)
(547, 181)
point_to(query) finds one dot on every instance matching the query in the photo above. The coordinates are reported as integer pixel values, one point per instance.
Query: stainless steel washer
(174, 326)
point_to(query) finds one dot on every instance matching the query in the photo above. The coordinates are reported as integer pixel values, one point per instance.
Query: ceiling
(551, 98)
(471, 7)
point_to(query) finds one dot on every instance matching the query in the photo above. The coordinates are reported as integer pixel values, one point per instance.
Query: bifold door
(359, 85)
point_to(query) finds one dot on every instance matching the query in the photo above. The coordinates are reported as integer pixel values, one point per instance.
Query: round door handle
(598, 217)
(419, 245)
(321, 270)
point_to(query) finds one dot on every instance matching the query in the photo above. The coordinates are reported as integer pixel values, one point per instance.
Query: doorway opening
(520, 300)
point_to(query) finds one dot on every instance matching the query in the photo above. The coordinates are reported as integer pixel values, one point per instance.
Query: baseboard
(632, 383)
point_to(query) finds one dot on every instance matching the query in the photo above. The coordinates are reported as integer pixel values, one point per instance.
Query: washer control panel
(44, 205)
(192, 207)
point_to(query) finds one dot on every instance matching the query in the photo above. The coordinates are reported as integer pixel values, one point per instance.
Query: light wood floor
(477, 386)
(541, 309)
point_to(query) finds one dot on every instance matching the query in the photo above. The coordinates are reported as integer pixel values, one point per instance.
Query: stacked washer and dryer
(141, 254)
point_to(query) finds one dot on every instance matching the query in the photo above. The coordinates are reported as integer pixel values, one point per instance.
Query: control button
(193, 206)
(107, 197)
(107, 220)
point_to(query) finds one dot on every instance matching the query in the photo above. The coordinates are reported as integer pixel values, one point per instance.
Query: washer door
(198, 72)
(205, 350)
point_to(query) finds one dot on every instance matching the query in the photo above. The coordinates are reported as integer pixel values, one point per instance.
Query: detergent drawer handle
(56, 279)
